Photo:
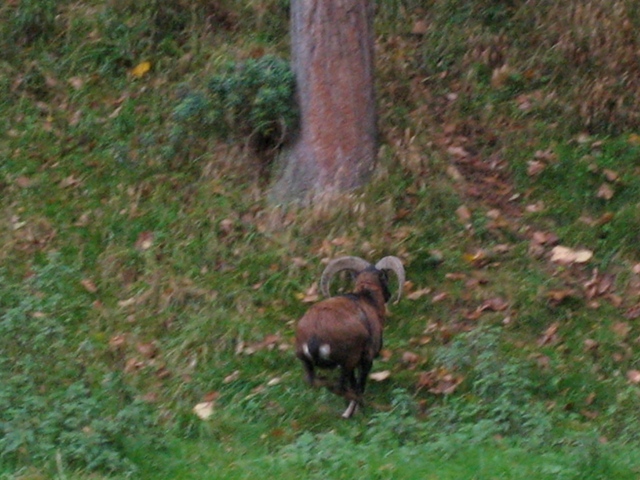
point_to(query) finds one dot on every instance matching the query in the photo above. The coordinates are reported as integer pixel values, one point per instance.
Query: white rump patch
(325, 351)
(307, 353)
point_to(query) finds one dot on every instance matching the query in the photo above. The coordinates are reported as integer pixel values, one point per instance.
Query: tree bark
(332, 58)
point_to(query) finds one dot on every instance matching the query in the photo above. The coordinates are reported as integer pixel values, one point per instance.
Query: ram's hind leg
(309, 370)
(363, 373)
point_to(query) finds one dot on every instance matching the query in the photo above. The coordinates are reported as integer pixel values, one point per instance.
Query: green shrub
(252, 101)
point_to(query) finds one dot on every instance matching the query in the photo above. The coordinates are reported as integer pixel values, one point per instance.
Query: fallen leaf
(454, 173)
(549, 336)
(458, 151)
(495, 304)
(141, 69)
(567, 256)
(89, 285)
(633, 312)
(311, 295)
(610, 175)
(556, 297)
(232, 377)
(634, 139)
(415, 295)
(621, 329)
(410, 358)
(591, 345)
(380, 376)
(605, 192)
(439, 381)
(478, 259)
(464, 214)
(211, 396)
(535, 207)
(438, 297)
(117, 342)
(204, 410)
(535, 167)
(148, 350)
(633, 376)
(23, 182)
(544, 238)
(133, 365)
(69, 182)
(420, 27)
(145, 240)
(500, 76)
(76, 82)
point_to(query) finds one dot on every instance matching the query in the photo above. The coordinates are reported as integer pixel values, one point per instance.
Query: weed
(66, 410)
(501, 391)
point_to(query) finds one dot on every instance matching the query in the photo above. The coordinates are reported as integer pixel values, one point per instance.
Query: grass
(139, 280)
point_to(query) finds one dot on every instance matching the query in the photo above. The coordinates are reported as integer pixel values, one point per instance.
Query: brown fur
(351, 326)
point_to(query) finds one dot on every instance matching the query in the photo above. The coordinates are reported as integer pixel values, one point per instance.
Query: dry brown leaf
(457, 151)
(420, 27)
(23, 182)
(550, 335)
(633, 312)
(439, 297)
(76, 82)
(89, 285)
(464, 214)
(605, 192)
(69, 182)
(544, 238)
(558, 296)
(567, 256)
(145, 240)
(274, 381)
(232, 377)
(410, 358)
(591, 345)
(415, 295)
(633, 376)
(495, 304)
(380, 376)
(454, 173)
(148, 350)
(439, 381)
(117, 342)
(500, 76)
(535, 167)
(311, 295)
(621, 329)
(610, 175)
(204, 410)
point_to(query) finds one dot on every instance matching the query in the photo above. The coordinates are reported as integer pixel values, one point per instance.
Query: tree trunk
(332, 57)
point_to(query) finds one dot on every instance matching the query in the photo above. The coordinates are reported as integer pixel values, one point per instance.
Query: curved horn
(336, 265)
(395, 265)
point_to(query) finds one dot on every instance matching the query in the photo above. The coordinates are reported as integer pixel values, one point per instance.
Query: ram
(345, 331)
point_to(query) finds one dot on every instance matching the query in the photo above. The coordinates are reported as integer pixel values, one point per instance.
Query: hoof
(351, 409)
